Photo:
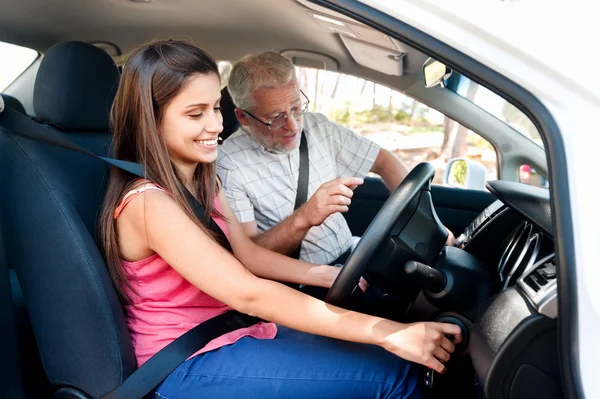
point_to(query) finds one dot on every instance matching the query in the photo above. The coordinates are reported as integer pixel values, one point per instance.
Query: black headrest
(75, 87)
(12, 102)
(230, 122)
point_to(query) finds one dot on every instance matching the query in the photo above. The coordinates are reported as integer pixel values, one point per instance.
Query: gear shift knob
(430, 278)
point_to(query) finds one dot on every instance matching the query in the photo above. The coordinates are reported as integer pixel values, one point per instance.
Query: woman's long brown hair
(152, 76)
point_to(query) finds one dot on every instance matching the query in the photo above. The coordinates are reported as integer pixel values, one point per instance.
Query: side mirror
(434, 73)
(465, 173)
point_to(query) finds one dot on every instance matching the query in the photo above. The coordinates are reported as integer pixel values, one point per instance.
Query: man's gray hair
(265, 70)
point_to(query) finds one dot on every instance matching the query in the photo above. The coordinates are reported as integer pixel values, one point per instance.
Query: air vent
(515, 250)
(525, 260)
(539, 286)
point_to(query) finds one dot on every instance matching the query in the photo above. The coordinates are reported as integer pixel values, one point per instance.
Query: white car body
(506, 37)
(544, 47)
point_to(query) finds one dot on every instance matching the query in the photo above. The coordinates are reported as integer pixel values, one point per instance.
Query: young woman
(173, 274)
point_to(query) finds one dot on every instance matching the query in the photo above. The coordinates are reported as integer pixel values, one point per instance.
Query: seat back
(50, 204)
(10, 361)
(20, 366)
(230, 121)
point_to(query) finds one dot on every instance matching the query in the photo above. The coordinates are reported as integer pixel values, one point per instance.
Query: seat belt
(147, 377)
(199, 211)
(302, 190)
(25, 127)
(158, 367)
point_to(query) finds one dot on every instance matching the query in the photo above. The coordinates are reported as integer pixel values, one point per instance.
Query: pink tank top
(166, 305)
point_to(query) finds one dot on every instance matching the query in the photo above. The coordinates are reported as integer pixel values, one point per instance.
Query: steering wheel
(378, 231)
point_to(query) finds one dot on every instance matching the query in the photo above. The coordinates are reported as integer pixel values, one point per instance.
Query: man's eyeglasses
(281, 120)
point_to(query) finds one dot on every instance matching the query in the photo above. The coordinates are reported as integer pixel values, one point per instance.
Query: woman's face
(192, 122)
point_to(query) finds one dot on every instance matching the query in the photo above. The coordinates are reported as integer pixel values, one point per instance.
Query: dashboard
(513, 335)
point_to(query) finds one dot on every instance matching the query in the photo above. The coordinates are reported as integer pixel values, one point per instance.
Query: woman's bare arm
(208, 266)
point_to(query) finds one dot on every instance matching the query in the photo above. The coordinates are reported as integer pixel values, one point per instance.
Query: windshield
(499, 107)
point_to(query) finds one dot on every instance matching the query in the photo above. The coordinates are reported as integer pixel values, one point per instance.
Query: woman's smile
(208, 143)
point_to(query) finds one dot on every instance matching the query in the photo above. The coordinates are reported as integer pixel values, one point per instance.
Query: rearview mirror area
(435, 72)
(465, 173)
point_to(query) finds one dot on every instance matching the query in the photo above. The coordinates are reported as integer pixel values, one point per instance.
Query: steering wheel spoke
(396, 229)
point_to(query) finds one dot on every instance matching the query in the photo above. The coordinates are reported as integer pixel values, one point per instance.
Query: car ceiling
(227, 29)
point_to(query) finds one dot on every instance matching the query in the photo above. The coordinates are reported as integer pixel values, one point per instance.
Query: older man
(260, 164)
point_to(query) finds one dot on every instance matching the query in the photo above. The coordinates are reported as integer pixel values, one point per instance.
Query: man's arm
(350, 148)
(283, 237)
(391, 169)
(333, 196)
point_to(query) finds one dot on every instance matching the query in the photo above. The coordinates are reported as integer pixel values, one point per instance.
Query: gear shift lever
(428, 277)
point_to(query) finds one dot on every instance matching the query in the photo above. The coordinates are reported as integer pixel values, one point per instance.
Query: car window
(224, 71)
(16, 60)
(528, 175)
(499, 107)
(509, 114)
(409, 129)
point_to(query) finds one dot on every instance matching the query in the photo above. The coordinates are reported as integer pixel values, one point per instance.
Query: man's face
(270, 105)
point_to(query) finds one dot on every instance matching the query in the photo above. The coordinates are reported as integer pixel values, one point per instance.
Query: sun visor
(310, 59)
(378, 58)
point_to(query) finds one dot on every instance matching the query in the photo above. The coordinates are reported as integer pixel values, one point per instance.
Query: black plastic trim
(446, 197)
(503, 364)
(550, 134)
(531, 202)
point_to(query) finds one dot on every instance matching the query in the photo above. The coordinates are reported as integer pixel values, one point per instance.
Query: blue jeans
(293, 365)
